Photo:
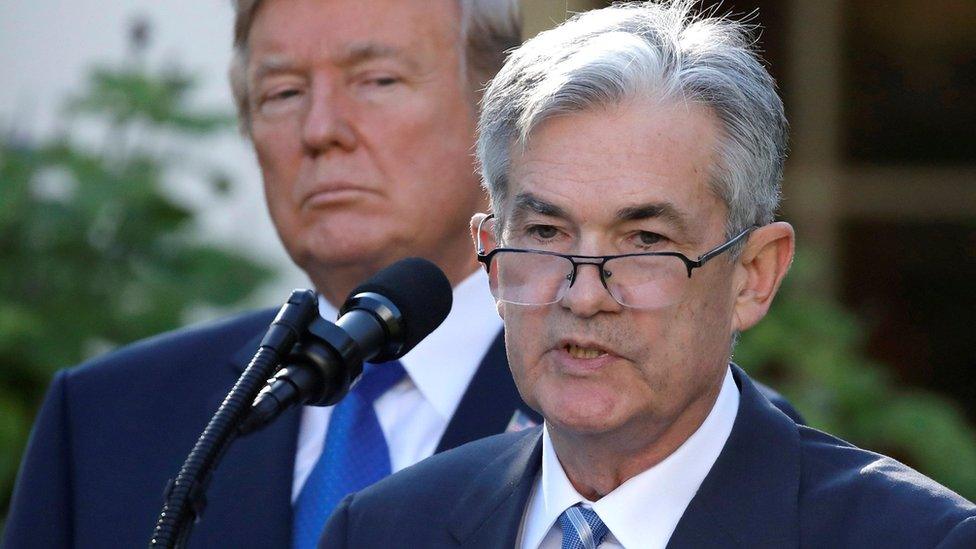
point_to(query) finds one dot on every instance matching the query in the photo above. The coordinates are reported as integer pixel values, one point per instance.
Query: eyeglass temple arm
(702, 259)
(481, 247)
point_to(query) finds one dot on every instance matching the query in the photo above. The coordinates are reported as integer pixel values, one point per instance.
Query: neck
(596, 464)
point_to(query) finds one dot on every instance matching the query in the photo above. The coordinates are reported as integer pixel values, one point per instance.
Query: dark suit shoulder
(871, 498)
(171, 381)
(416, 506)
(780, 402)
(447, 472)
(217, 339)
(114, 429)
(777, 400)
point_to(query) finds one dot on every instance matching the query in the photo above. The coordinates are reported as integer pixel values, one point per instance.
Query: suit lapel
(749, 498)
(489, 514)
(250, 495)
(489, 403)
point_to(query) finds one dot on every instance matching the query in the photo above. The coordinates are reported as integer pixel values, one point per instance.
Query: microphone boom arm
(184, 495)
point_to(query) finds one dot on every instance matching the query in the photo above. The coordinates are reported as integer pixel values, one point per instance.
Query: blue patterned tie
(355, 454)
(582, 528)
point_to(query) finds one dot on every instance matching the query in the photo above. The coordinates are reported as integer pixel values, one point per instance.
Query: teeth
(581, 352)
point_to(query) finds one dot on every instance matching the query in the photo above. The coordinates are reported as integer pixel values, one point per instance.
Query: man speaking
(633, 158)
(362, 114)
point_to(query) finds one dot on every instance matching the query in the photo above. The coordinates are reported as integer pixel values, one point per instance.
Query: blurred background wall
(873, 338)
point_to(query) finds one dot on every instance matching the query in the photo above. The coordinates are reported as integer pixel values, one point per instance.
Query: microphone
(381, 320)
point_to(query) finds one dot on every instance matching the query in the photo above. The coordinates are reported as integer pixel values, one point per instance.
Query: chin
(581, 425)
(583, 414)
(349, 247)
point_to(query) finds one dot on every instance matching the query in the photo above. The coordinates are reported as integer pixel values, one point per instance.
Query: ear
(487, 232)
(488, 241)
(759, 271)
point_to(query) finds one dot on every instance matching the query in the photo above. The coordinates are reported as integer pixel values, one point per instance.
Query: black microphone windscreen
(419, 289)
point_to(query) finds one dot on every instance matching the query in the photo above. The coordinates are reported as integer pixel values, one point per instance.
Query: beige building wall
(539, 15)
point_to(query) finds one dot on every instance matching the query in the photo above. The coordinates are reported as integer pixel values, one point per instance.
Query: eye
(384, 81)
(648, 239)
(543, 232)
(537, 233)
(282, 94)
(377, 80)
(276, 96)
(279, 100)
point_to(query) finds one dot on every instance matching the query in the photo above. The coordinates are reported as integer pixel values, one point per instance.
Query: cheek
(701, 326)
(432, 141)
(279, 160)
(521, 345)
(718, 310)
(276, 144)
(516, 362)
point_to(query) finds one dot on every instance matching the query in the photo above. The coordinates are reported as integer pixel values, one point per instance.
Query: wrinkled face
(611, 181)
(363, 126)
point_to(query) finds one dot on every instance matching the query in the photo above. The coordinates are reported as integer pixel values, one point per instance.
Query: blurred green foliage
(811, 350)
(95, 252)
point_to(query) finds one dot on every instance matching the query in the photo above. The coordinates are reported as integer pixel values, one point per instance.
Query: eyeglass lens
(539, 279)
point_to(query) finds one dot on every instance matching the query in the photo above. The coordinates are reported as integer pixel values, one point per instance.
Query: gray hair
(648, 50)
(489, 28)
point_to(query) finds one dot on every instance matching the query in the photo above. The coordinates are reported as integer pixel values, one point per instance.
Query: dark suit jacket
(775, 484)
(112, 432)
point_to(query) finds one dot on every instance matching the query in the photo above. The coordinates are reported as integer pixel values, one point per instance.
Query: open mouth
(576, 351)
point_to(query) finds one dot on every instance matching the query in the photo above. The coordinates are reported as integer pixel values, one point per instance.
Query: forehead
(595, 163)
(342, 31)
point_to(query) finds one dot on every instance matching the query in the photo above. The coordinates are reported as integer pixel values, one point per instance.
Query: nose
(328, 120)
(587, 296)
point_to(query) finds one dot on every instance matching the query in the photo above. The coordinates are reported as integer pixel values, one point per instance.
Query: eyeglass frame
(601, 260)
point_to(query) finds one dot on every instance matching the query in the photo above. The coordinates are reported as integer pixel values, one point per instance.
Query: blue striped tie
(582, 528)
(355, 454)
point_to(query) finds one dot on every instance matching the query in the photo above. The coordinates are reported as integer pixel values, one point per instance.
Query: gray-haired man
(633, 158)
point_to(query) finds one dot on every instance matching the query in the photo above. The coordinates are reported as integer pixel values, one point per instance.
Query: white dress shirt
(415, 412)
(643, 511)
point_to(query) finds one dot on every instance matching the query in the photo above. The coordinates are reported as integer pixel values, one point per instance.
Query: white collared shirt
(643, 511)
(415, 412)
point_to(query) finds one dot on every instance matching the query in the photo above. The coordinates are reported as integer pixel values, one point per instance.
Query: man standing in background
(362, 115)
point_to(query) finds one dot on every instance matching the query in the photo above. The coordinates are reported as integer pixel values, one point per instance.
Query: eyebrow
(271, 65)
(352, 55)
(528, 202)
(655, 210)
(357, 53)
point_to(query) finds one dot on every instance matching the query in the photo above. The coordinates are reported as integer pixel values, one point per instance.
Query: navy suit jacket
(775, 484)
(112, 432)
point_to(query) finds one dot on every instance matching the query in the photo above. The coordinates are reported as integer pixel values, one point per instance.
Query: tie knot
(582, 528)
(377, 379)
